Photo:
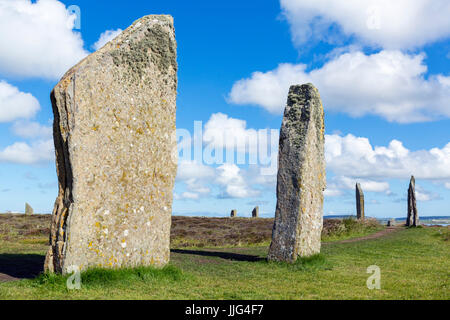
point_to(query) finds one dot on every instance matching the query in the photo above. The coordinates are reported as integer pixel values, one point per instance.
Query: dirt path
(376, 235)
(6, 278)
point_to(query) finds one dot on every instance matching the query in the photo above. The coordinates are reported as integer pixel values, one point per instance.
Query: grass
(99, 278)
(414, 264)
(348, 228)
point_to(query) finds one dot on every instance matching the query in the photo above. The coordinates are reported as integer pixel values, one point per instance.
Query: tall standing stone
(114, 133)
(412, 219)
(301, 177)
(255, 212)
(233, 213)
(359, 202)
(28, 210)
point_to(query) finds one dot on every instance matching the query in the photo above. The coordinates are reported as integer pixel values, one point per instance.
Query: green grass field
(414, 264)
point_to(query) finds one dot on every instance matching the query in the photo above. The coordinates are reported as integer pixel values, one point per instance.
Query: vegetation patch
(97, 277)
(347, 228)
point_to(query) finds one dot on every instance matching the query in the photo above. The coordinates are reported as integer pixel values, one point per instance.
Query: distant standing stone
(116, 152)
(301, 177)
(28, 209)
(359, 202)
(391, 223)
(412, 219)
(255, 212)
(233, 213)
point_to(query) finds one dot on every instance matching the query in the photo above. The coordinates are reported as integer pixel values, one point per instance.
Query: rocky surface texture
(301, 177)
(412, 219)
(359, 202)
(114, 133)
(255, 212)
(28, 209)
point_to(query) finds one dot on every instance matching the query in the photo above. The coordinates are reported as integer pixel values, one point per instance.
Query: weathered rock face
(412, 219)
(233, 213)
(114, 133)
(255, 212)
(359, 202)
(301, 177)
(28, 209)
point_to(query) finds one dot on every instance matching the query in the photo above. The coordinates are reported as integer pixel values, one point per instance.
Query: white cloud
(355, 157)
(389, 84)
(337, 185)
(23, 153)
(31, 129)
(231, 178)
(196, 177)
(105, 37)
(187, 196)
(425, 195)
(192, 170)
(36, 39)
(400, 24)
(15, 104)
(199, 179)
(222, 131)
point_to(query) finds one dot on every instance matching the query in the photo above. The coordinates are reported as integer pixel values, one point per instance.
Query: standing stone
(28, 210)
(255, 212)
(412, 219)
(359, 202)
(301, 177)
(233, 213)
(114, 133)
(391, 223)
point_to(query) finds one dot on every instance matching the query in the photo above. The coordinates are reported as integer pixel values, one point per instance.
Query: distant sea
(427, 221)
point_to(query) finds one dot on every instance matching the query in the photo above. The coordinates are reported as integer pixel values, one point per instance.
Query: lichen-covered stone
(359, 202)
(255, 212)
(28, 209)
(233, 213)
(301, 177)
(412, 219)
(115, 141)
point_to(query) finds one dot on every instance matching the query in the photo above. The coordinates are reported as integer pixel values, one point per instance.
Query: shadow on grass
(21, 266)
(223, 255)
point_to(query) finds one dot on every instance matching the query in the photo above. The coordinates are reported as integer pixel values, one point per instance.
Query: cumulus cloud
(196, 177)
(425, 195)
(37, 40)
(15, 104)
(23, 153)
(105, 37)
(32, 129)
(355, 157)
(390, 84)
(231, 178)
(400, 24)
(338, 185)
(222, 131)
(228, 178)
(186, 196)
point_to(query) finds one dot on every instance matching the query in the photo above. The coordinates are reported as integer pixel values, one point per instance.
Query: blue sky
(382, 71)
